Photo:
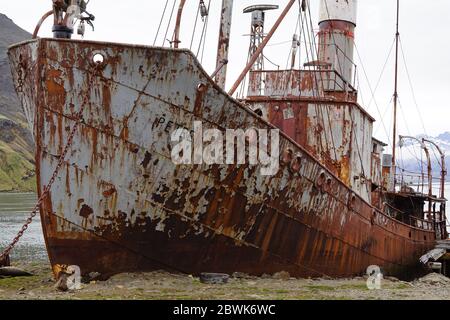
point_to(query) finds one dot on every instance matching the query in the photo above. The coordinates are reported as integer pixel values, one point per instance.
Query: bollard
(5, 262)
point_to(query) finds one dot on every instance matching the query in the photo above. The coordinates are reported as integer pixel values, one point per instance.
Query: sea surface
(15, 209)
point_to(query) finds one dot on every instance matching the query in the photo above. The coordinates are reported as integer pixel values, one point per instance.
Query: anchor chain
(4, 257)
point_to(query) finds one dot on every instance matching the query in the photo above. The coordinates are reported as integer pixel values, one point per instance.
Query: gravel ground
(165, 286)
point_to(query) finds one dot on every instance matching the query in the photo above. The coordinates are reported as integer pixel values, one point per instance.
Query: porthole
(98, 58)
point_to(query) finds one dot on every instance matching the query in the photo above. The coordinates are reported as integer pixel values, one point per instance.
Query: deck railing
(421, 223)
(438, 227)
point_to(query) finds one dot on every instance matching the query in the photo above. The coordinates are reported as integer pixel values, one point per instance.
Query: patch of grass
(362, 287)
(304, 297)
(320, 288)
(19, 282)
(185, 297)
(341, 298)
(402, 286)
(282, 291)
(273, 291)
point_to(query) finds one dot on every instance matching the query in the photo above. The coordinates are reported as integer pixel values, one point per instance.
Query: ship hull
(121, 204)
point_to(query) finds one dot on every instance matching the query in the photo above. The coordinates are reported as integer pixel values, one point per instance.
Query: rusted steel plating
(224, 42)
(261, 48)
(46, 190)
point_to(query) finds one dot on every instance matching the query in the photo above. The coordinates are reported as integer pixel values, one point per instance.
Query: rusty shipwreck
(119, 203)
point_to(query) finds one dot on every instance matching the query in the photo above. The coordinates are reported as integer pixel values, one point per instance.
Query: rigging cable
(271, 62)
(203, 36)
(308, 52)
(292, 50)
(404, 120)
(372, 93)
(420, 161)
(416, 105)
(168, 24)
(383, 116)
(412, 88)
(381, 74)
(312, 49)
(278, 43)
(195, 27)
(160, 22)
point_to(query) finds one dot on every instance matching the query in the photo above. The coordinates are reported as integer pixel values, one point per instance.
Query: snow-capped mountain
(411, 157)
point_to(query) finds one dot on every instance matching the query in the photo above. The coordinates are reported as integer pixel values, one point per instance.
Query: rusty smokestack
(337, 24)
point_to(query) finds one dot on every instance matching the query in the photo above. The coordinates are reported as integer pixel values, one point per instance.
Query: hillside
(16, 145)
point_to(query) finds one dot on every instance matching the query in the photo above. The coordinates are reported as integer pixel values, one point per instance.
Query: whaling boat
(112, 199)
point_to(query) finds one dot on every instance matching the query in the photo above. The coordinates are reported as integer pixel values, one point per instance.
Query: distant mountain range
(16, 146)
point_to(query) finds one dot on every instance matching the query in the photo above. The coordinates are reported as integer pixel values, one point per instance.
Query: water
(14, 211)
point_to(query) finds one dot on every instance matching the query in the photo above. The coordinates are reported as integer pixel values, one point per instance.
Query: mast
(224, 42)
(394, 140)
(257, 33)
(257, 36)
(260, 49)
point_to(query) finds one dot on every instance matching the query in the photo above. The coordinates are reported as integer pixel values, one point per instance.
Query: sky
(424, 37)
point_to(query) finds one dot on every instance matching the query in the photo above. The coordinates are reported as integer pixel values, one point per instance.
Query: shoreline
(161, 285)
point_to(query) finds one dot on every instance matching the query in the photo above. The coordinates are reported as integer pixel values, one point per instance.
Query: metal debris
(434, 255)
